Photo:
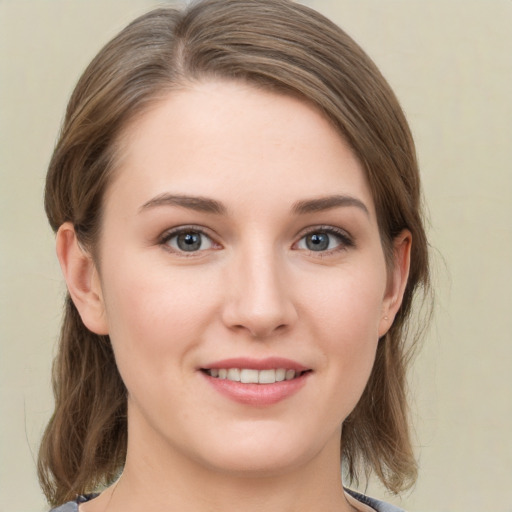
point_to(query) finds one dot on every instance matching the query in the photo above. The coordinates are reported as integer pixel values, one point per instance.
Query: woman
(237, 208)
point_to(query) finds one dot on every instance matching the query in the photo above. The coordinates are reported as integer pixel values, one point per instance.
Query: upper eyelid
(324, 228)
(347, 241)
(171, 232)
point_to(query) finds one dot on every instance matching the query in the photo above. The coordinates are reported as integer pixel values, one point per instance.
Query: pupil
(317, 242)
(189, 241)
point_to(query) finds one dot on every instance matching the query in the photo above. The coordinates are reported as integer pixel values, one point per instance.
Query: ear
(82, 279)
(397, 280)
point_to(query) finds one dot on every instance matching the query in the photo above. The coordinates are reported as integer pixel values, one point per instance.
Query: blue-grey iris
(189, 241)
(317, 241)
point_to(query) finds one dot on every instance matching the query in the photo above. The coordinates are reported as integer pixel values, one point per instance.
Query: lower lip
(257, 395)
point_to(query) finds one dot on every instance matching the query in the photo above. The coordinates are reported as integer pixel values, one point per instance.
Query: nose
(259, 298)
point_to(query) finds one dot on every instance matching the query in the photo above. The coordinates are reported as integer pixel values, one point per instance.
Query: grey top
(377, 505)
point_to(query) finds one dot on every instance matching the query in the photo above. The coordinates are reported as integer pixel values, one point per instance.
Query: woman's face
(240, 242)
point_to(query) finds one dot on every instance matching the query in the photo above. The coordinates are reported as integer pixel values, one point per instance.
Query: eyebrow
(198, 203)
(327, 203)
(207, 205)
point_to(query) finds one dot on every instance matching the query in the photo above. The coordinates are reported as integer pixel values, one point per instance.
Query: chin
(263, 454)
(260, 464)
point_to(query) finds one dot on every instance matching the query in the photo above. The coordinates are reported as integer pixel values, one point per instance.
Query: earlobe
(397, 280)
(82, 279)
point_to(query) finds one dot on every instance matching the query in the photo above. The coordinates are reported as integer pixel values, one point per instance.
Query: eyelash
(183, 230)
(345, 240)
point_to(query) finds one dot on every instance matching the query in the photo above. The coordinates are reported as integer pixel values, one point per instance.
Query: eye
(187, 240)
(324, 240)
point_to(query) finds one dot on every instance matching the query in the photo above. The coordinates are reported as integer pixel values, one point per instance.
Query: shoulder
(72, 506)
(377, 505)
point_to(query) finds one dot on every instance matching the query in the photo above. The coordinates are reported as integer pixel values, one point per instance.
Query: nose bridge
(259, 299)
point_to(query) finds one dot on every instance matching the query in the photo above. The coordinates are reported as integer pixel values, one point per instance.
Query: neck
(167, 480)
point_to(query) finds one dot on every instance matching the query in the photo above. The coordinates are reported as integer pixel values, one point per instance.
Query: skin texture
(253, 290)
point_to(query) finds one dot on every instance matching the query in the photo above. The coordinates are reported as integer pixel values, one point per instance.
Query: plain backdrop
(450, 64)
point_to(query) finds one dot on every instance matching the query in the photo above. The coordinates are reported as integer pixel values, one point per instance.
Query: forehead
(232, 140)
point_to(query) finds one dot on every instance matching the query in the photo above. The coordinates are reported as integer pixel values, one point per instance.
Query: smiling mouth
(252, 376)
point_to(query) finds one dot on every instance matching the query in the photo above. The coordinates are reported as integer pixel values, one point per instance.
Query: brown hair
(276, 45)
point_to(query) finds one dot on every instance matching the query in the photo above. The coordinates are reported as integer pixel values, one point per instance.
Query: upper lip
(268, 363)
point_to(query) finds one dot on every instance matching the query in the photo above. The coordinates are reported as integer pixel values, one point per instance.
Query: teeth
(290, 374)
(234, 374)
(250, 376)
(267, 377)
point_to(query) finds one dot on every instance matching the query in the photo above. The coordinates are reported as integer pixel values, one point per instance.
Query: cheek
(345, 322)
(153, 314)
(348, 303)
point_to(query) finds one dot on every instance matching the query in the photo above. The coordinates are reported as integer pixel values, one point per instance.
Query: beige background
(450, 64)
